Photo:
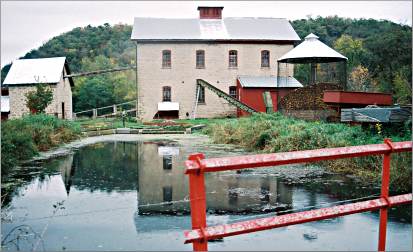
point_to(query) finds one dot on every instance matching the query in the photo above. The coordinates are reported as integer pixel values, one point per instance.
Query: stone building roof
(33, 71)
(232, 29)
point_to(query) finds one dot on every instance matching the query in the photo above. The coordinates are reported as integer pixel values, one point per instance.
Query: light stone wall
(183, 74)
(62, 92)
(18, 100)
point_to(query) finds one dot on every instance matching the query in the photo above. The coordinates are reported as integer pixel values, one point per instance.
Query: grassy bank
(23, 138)
(270, 133)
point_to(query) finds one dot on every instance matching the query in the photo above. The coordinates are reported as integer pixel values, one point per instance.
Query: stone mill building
(173, 53)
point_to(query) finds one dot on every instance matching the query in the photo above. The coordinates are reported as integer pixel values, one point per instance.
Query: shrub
(38, 100)
(22, 138)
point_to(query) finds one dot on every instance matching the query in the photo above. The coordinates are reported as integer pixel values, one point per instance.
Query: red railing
(196, 167)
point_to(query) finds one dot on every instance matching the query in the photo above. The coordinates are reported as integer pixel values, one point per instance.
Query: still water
(134, 196)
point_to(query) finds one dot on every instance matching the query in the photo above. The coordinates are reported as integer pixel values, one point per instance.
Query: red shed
(353, 99)
(252, 90)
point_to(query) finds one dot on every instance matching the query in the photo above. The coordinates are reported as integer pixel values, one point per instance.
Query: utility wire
(185, 200)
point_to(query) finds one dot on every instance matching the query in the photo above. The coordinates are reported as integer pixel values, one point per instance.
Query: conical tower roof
(312, 50)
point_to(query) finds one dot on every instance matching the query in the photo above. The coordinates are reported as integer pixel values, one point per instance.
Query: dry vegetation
(270, 133)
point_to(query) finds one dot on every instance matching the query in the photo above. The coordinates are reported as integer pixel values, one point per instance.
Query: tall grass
(270, 133)
(22, 138)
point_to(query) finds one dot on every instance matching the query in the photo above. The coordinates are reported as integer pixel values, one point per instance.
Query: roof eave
(305, 60)
(214, 40)
(26, 84)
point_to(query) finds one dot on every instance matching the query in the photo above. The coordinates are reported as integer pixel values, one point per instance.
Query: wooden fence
(107, 111)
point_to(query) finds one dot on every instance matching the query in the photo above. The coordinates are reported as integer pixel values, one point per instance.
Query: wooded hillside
(92, 48)
(379, 55)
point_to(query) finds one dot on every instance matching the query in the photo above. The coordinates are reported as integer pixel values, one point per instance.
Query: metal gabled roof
(312, 50)
(269, 82)
(32, 71)
(161, 29)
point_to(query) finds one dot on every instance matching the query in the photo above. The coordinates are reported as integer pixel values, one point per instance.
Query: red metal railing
(196, 167)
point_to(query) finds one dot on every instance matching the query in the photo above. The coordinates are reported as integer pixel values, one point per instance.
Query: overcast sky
(27, 25)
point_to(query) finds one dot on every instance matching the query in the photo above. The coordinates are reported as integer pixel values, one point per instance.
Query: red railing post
(385, 183)
(198, 201)
(196, 166)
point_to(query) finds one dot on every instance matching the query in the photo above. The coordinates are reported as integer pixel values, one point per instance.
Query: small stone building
(25, 74)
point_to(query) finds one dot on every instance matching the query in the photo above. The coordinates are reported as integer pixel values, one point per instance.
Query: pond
(134, 196)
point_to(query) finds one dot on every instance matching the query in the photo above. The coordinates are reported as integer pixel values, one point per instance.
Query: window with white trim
(200, 59)
(233, 59)
(166, 59)
(265, 58)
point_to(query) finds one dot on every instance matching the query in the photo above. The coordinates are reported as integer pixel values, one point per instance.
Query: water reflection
(124, 193)
(106, 167)
(161, 180)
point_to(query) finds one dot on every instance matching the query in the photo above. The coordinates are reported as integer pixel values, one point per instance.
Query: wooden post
(313, 73)
(114, 109)
(95, 113)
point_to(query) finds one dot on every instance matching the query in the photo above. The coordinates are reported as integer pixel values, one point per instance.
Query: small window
(233, 91)
(167, 162)
(200, 59)
(166, 58)
(166, 94)
(201, 94)
(233, 58)
(265, 58)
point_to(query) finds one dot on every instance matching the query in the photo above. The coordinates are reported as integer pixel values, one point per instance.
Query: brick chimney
(210, 12)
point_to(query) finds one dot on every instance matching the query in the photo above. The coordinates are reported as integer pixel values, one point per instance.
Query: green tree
(388, 53)
(95, 92)
(38, 100)
(302, 73)
(359, 79)
(112, 88)
(402, 88)
(351, 48)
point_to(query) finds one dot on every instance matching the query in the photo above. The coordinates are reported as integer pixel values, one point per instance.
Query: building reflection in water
(67, 170)
(163, 186)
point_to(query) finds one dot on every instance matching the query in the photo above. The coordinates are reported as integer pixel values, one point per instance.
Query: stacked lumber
(308, 98)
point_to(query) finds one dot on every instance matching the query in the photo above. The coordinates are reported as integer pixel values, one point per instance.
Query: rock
(123, 131)
(310, 236)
